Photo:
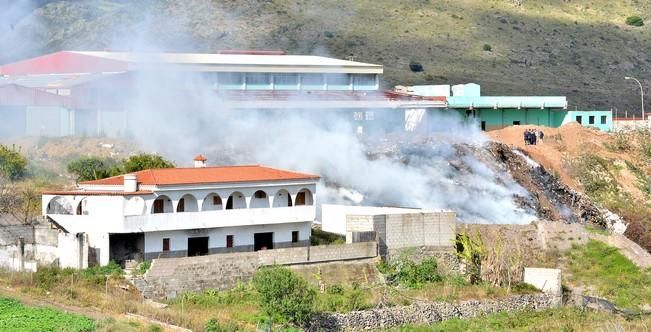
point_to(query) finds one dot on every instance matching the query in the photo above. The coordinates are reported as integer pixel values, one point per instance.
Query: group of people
(532, 135)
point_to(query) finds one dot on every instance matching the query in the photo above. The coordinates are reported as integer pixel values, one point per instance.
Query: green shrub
(284, 294)
(407, 273)
(320, 237)
(487, 47)
(335, 289)
(213, 325)
(416, 67)
(12, 164)
(343, 299)
(635, 21)
(143, 267)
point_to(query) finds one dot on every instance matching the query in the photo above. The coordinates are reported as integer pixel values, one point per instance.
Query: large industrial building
(92, 93)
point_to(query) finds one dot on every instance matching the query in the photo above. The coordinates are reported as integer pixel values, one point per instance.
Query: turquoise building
(497, 112)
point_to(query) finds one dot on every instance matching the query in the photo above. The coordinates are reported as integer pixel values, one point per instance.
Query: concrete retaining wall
(170, 276)
(428, 313)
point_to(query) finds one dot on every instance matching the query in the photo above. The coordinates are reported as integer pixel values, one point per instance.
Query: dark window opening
(294, 236)
(516, 123)
(181, 207)
(300, 198)
(126, 246)
(159, 206)
(483, 125)
(579, 119)
(591, 119)
(197, 246)
(289, 200)
(216, 200)
(260, 194)
(166, 244)
(263, 241)
(604, 119)
(79, 209)
(229, 203)
(229, 241)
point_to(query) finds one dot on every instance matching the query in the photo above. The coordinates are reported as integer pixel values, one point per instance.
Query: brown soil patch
(564, 144)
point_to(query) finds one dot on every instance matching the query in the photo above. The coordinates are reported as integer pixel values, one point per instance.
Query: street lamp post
(641, 93)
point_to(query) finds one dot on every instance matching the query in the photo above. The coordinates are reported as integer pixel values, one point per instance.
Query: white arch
(259, 200)
(187, 203)
(282, 199)
(82, 208)
(164, 207)
(59, 205)
(236, 200)
(304, 197)
(212, 202)
(135, 206)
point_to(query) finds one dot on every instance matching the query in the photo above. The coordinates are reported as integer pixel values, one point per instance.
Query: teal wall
(503, 117)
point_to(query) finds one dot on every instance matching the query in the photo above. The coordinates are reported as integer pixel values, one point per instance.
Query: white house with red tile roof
(187, 211)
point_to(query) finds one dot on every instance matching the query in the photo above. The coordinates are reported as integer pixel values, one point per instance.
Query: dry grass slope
(581, 49)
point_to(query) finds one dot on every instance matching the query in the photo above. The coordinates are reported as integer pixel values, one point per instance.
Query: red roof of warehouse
(223, 174)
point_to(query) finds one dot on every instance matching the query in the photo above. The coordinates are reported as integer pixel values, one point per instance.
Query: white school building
(178, 212)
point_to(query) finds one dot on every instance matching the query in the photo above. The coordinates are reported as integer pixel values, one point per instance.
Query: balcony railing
(186, 220)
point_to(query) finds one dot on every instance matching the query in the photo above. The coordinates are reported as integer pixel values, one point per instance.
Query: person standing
(526, 137)
(533, 137)
(541, 135)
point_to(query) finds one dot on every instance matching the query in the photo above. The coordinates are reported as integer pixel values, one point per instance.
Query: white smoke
(178, 115)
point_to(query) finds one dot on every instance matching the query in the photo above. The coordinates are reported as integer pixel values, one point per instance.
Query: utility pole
(641, 95)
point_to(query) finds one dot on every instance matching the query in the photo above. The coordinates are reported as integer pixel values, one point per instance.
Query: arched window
(259, 200)
(135, 206)
(282, 199)
(59, 205)
(212, 202)
(162, 204)
(82, 209)
(187, 203)
(304, 197)
(236, 201)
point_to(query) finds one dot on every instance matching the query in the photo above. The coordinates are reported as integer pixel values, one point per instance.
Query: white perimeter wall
(333, 217)
(243, 236)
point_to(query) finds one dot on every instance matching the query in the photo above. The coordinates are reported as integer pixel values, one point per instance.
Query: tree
(12, 164)
(92, 168)
(22, 202)
(145, 161)
(284, 294)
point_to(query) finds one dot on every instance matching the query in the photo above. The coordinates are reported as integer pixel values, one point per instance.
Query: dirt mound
(564, 144)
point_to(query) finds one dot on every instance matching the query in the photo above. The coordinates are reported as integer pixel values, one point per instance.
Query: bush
(407, 273)
(213, 325)
(416, 67)
(487, 48)
(12, 164)
(635, 21)
(284, 294)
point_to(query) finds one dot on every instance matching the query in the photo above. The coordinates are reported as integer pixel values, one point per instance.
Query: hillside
(581, 49)
(612, 169)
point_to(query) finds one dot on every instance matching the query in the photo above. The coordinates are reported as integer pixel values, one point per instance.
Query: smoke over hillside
(179, 115)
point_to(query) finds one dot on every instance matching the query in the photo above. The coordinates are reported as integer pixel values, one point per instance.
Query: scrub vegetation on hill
(582, 49)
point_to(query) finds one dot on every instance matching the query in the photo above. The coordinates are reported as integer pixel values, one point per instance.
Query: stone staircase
(137, 280)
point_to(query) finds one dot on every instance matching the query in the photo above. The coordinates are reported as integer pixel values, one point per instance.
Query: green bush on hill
(12, 164)
(407, 273)
(95, 168)
(284, 294)
(635, 21)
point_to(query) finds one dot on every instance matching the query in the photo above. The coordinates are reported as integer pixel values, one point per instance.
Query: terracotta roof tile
(223, 174)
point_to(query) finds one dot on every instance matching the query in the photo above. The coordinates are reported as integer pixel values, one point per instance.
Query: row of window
(291, 81)
(260, 199)
(591, 119)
